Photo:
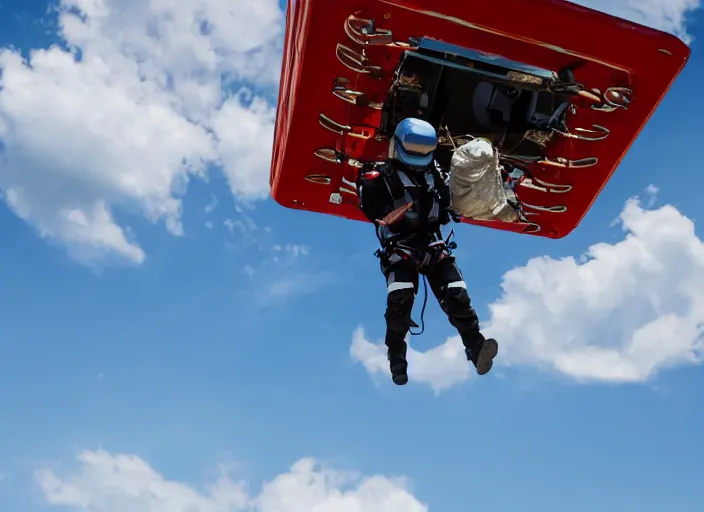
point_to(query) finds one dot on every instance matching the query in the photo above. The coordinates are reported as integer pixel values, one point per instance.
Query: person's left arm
(446, 211)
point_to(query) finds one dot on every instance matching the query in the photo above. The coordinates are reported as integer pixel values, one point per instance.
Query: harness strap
(423, 259)
(396, 183)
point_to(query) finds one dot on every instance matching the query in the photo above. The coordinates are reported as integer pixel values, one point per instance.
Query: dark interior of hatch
(460, 96)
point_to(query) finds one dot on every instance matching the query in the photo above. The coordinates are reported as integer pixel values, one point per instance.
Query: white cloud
(284, 272)
(651, 191)
(134, 109)
(621, 313)
(290, 252)
(666, 15)
(441, 367)
(210, 207)
(296, 283)
(624, 313)
(245, 226)
(103, 482)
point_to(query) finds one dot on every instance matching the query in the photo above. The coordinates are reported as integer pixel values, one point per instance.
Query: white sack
(476, 188)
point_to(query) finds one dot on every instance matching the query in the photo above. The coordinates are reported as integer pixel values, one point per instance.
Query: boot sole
(485, 361)
(400, 380)
(399, 374)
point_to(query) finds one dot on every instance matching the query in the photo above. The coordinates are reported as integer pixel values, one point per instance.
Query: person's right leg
(402, 286)
(449, 287)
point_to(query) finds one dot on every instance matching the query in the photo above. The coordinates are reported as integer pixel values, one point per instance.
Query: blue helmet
(414, 142)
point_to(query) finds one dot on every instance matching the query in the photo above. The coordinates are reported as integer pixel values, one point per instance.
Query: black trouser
(448, 286)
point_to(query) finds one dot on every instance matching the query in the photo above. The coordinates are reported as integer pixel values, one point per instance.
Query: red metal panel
(551, 34)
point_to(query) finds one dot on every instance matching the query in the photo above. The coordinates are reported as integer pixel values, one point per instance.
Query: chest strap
(398, 184)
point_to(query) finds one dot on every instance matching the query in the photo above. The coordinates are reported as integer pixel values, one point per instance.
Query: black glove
(454, 215)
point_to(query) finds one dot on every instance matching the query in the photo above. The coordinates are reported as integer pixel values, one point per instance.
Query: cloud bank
(103, 482)
(140, 97)
(620, 313)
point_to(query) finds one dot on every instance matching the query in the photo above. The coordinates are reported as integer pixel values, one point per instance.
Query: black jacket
(383, 188)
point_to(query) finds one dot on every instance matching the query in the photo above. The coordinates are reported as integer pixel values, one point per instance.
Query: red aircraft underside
(335, 79)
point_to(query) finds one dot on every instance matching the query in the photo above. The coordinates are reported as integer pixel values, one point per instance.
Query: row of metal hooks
(364, 32)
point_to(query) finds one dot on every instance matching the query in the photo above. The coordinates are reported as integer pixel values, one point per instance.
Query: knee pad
(456, 303)
(399, 304)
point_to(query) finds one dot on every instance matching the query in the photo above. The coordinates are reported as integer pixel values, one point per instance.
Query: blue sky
(168, 328)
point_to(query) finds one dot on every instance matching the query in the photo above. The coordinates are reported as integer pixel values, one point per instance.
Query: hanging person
(408, 201)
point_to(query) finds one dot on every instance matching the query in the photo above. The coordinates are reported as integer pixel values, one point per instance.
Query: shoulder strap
(396, 182)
